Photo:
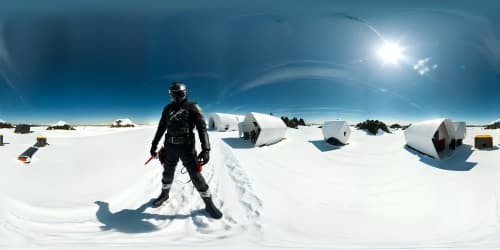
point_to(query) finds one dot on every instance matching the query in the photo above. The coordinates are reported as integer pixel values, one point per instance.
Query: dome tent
(435, 138)
(224, 122)
(338, 130)
(269, 129)
(460, 131)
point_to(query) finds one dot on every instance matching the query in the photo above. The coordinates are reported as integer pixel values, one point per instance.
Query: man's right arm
(160, 131)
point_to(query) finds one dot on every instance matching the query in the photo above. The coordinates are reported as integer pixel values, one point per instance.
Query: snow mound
(494, 124)
(119, 123)
(61, 123)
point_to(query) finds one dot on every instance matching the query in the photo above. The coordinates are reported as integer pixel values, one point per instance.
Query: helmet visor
(177, 95)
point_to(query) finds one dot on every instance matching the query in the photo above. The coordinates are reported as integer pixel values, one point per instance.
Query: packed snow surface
(90, 188)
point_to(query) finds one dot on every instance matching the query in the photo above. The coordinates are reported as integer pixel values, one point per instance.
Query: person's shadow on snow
(135, 220)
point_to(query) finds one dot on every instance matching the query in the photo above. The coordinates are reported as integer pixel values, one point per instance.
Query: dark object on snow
(334, 141)
(453, 144)
(493, 125)
(63, 127)
(396, 126)
(294, 122)
(162, 198)
(27, 155)
(41, 141)
(22, 129)
(483, 141)
(211, 208)
(1, 140)
(5, 125)
(372, 126)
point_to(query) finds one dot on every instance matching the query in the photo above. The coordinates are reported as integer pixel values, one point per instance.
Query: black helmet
(178, 92)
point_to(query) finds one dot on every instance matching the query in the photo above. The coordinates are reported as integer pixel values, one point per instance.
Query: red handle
(150, 158)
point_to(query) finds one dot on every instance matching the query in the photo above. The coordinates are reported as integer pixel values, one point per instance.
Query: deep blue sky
(87, 62)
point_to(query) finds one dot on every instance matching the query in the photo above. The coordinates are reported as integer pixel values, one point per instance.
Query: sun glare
(391, 53)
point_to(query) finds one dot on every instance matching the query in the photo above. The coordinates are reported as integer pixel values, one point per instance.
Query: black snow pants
(187, 154)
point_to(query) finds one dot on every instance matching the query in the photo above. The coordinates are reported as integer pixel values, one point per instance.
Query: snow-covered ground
(90, 188)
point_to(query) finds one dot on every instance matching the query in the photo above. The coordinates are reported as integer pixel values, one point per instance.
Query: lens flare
(391, 53)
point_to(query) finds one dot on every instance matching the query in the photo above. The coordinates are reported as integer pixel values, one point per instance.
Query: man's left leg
(190, 162)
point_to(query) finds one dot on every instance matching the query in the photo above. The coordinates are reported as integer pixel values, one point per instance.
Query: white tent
(435, 138)
(269, 129)
(460, 131)
(338, 130)
(224, 122)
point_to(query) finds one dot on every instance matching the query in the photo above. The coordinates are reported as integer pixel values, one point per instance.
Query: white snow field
(90, 188)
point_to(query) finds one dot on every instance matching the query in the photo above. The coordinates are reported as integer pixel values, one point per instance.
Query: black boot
(162, 198)
(210, 207)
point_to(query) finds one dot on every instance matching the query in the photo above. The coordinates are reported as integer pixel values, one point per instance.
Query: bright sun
(391, 53)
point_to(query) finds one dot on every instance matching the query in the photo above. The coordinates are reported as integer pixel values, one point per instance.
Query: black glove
(152, 151)
(203, 157)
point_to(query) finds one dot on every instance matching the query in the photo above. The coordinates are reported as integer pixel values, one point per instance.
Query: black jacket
(179, 119)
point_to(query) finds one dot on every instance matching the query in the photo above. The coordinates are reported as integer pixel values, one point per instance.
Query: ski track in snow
(179, 220)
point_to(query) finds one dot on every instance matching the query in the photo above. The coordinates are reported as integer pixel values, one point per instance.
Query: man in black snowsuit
(179, 118)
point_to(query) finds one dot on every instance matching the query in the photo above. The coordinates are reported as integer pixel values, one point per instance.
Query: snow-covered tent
(125, 122)
(494, 124)
(435, 138)
(61, 125)
(269, 129)
(224, 122)
(460, 131)
(4, 124)
(338, 130)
